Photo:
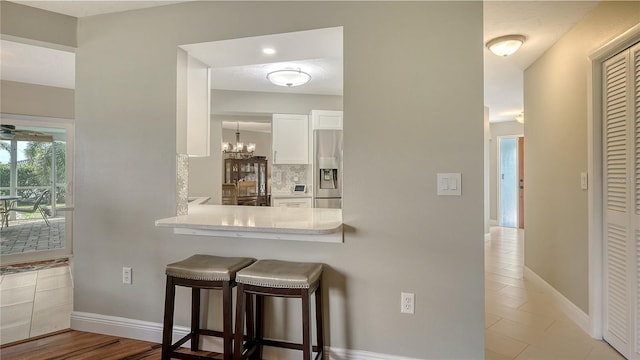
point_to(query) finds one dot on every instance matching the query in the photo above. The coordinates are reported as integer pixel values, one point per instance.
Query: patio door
(36, 173)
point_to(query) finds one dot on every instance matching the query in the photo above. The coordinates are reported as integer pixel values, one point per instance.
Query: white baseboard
(345, 354)
(566, 306)
(151, 331)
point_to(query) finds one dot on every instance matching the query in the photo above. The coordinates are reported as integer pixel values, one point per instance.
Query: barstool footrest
(185, 356)
(183, 340)
(202, 332)
(284, 344)
(216, 333)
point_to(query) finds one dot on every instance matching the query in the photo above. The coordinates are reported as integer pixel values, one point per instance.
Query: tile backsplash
(283, 177)
(182, 184)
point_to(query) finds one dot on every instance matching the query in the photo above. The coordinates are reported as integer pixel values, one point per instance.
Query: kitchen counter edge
(309, 224)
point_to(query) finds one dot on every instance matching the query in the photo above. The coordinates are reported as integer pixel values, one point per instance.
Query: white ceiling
(84, 8)
(542, 22)
(240, 64)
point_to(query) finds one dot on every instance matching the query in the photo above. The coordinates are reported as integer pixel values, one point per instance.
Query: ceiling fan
(9, 132)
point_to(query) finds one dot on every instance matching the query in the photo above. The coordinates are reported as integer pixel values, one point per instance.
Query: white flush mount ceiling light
(289, 77)
(506, 45)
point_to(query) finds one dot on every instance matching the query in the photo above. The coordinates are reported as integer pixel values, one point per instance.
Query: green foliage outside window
(35, 171)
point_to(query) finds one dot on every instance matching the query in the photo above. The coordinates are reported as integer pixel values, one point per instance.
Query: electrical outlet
(407, 303)
(126, 275)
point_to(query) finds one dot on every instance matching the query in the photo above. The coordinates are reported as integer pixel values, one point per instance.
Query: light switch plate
(584, 181)
(449, 184)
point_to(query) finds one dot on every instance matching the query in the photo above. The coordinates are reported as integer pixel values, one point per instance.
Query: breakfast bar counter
(259, 222)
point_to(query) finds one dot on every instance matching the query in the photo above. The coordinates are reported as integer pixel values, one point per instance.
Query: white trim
(124, 327)
(334, 237)
(152, 331)
(346, 354)
(33, 42)
(565, 305)
(594, 170)
(487, 237)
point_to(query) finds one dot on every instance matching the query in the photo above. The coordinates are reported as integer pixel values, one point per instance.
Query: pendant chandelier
(239, 150)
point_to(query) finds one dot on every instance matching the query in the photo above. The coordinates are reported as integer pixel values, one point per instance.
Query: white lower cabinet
(291, 202)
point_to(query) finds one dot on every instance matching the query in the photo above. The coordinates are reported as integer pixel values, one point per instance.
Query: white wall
(404, 114)
(555, 100)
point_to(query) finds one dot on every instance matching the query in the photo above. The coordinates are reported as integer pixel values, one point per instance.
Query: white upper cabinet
(326, 120)
(290, 139)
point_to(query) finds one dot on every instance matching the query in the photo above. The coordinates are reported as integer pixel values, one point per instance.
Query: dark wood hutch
(250, 177)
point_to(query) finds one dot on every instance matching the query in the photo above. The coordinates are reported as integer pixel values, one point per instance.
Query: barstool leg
(227, 332)
(319, 327)
(306, 325)
(195, 318)
(167, 329)
(237, 344)
(259, 319)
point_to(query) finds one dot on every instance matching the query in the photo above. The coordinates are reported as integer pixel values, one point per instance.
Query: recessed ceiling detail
(242, 64)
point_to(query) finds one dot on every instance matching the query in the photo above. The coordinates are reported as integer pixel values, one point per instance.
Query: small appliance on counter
(300, 189)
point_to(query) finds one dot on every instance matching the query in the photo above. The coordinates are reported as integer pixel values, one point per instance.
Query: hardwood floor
(78, 345)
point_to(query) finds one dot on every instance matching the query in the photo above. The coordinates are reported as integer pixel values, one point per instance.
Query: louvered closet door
(621, 120)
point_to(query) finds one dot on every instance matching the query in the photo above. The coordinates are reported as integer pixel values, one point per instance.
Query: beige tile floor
(34, 303)
(521, 321)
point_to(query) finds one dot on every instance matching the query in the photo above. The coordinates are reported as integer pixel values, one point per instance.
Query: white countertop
(306, 224)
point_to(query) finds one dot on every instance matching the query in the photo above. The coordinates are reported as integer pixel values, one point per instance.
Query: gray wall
(37, 26)
(399, 90)
(36, 100)
(555, 100)
(242, 102)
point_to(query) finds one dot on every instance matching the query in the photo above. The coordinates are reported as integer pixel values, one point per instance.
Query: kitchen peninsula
(261, 222)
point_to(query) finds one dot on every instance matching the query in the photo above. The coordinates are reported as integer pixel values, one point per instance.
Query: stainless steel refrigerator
(327, 168)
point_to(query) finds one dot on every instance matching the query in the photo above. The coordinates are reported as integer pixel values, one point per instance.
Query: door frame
(69, 126)
(595, 174)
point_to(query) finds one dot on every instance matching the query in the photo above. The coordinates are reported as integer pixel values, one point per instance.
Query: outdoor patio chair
(45, 212)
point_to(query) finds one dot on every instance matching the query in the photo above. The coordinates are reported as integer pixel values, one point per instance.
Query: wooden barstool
(200, 272)
(279, 279)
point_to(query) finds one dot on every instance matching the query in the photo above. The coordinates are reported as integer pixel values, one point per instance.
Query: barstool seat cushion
(280, 274)
(208, 267)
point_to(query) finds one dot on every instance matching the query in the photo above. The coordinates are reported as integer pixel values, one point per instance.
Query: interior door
(621, 144)
(521, 182)
(508, 204)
